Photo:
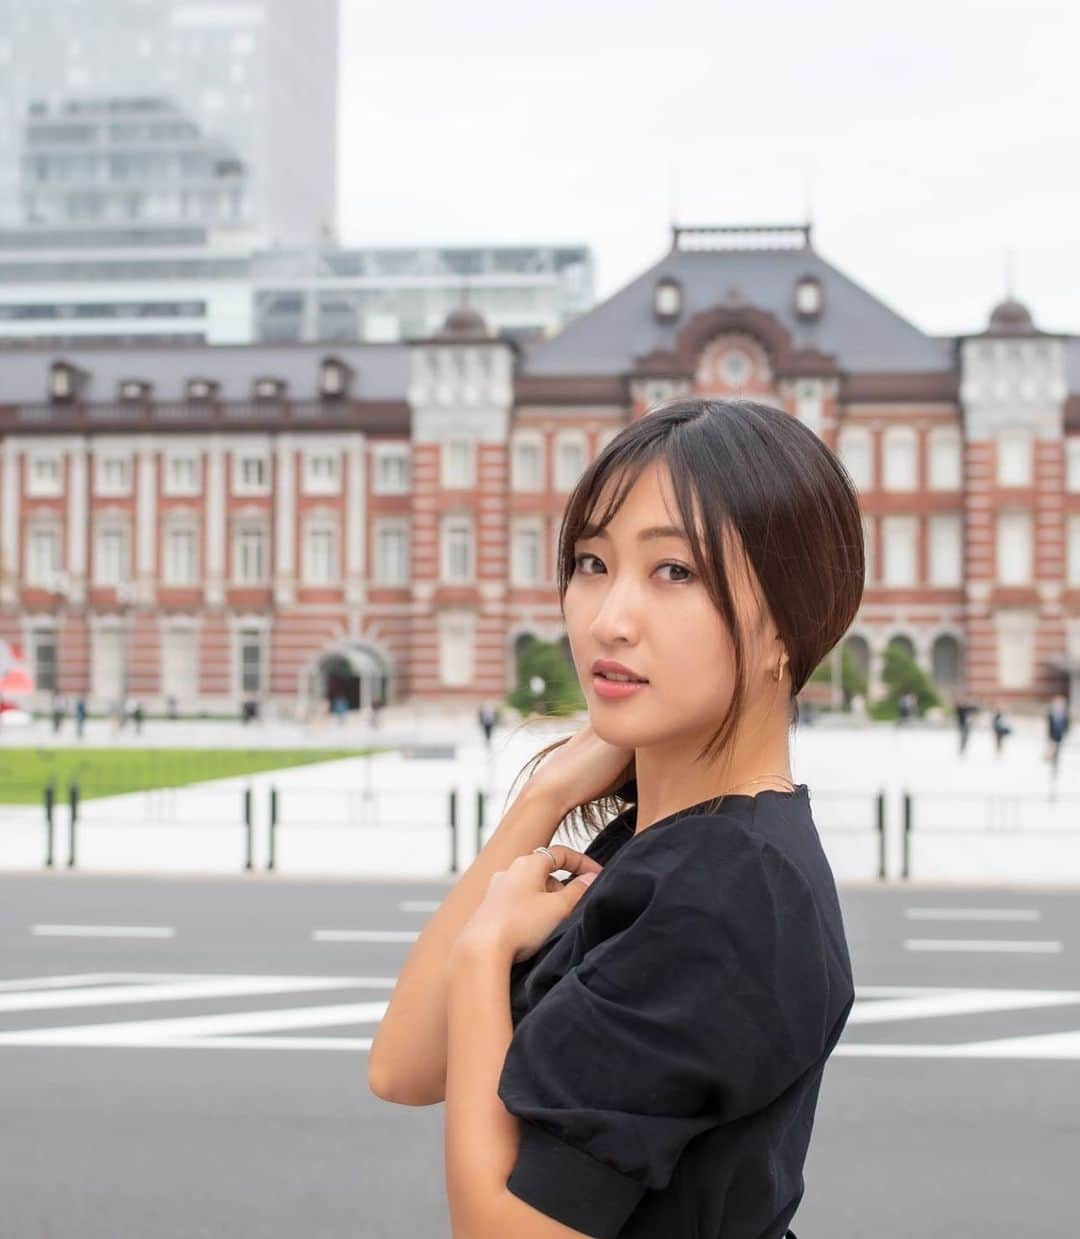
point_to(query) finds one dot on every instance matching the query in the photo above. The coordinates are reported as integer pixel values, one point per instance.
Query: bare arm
(407, 1063)
(481, 1135)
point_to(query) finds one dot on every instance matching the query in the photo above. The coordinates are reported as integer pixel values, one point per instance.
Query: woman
(638, 1053)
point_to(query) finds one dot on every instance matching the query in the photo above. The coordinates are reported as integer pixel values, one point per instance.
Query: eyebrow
(644, 535)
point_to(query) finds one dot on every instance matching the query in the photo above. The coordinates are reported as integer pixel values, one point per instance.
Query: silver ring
(547, 853)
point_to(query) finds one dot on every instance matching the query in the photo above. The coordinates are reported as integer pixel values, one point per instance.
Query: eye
(679, 580)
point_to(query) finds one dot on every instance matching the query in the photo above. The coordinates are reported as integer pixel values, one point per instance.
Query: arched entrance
(353, 671)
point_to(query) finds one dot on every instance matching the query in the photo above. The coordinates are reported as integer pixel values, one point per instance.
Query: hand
(582, 769)
(524, 903)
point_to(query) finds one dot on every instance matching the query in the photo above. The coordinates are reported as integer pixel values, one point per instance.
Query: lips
(607, 668)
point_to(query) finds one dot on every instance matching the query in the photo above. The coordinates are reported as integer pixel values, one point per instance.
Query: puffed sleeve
(702, 995)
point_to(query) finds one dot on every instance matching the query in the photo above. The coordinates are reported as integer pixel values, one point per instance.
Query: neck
(668, 779)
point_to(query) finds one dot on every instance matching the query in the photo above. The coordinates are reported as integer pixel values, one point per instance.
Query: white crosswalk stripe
(218, 1030)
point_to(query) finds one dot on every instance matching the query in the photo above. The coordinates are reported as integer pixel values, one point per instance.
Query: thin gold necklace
(760, 779)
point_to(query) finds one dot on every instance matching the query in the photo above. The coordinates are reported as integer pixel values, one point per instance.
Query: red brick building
(280, 522)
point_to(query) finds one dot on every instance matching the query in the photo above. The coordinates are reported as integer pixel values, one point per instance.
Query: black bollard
(248, 834)
(453, 830)
(73, 804)
(271, 855)
(881, 834)
(50, 801)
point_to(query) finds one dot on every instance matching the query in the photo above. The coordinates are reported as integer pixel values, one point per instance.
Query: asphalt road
(184, 1058)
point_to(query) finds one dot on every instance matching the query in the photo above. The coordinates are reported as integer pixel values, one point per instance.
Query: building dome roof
(464, 321)
(1011, 318)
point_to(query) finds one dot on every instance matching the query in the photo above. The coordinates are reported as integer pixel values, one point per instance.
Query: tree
(561, 693)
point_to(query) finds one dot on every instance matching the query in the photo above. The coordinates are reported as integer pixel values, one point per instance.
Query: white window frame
(41, 575)
(1014, 457)
(42, 482)
(398, 527)
(44, 634)
(452, 526)
(106, 466)
(519, 476)
(522, 529)
(810, 403)
(946, 452)
(946, 563)
(1014, 528)
(391, 472)
(1016, 665)
(898, 439)
(457, 648)
(564, 481)
(458, 463)
(317, 480)
(242, 531)
(855, 447)
(327, 573)
(112, 529)
(169, 575)
(172, 485)
(255, 635)
(891, 578)
(869, 559)
(249, 485)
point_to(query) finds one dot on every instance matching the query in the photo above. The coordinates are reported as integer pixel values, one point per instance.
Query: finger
(568, 859)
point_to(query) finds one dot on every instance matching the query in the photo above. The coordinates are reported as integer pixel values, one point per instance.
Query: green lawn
(108, 772)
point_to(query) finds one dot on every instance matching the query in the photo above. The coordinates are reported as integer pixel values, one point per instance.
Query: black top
(671, 1034)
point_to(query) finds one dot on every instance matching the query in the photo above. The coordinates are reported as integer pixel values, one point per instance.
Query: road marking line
(956, 1002)
(365, 935)
(973, 914)
(154, 1032)
(220, 987)
(981, 944)
(25, 984)
(418, 905)
(1045, 1047)
(103, 931)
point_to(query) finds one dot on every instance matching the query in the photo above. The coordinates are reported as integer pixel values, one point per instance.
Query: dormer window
(133, 391)
(201, 390)
(65, 381)
(667, 299)
(268, 389)
(334, 376)
(809, 297)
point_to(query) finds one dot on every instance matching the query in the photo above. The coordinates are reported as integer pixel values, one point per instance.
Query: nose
(616, 617)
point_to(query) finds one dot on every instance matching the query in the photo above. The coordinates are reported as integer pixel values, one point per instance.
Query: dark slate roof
(381, 371)
(863, 333)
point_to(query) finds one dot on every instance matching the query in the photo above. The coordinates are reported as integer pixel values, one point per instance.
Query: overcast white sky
(929, 138)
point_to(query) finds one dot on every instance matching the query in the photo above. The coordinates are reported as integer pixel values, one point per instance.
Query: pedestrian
(1057, 724)
(578, 1034)
(59, 711)
(1001, 729)
(486, 716)
(80, 717)
(137, 716)
(964, 711)
(376, 706)
(903, 708)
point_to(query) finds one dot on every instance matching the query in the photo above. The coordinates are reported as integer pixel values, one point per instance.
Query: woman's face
(640, 600)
